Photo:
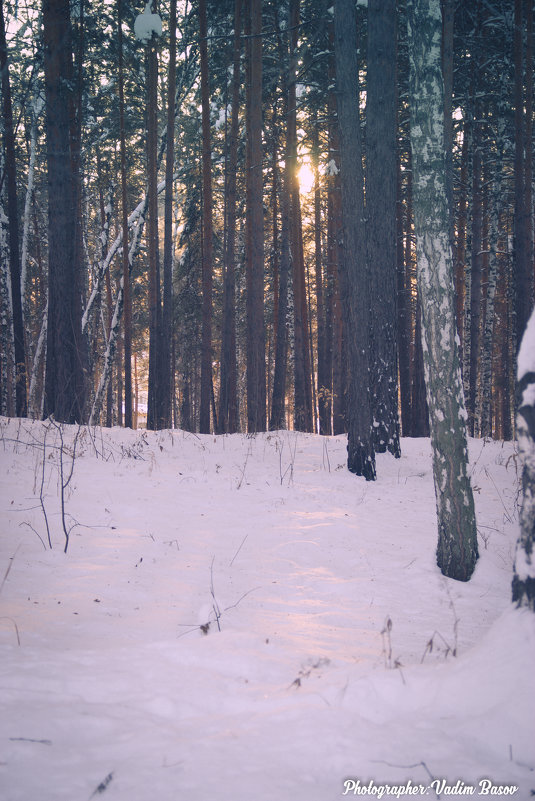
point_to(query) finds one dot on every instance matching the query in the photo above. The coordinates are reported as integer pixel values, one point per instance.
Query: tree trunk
(154, 409)
(167, 317)
(448, 15)
(7, 359)
(460, 245)
(228, 396)
(457, 536)
(353, 279)
(336, 366)
(381, 221)
(63, 366)
(476, 265)
(523, 215)
(128, 419)
(524, 568)
(207, 260)
(323, 375)
(13, 226)
(79, 289)
(277, 416)
(487, 339)
(256, 371)
(404, 315)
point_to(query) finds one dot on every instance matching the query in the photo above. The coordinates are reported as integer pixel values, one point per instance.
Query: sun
(305, 176)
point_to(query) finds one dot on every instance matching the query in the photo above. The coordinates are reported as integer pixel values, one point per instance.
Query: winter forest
(266, 289)
(207, 136)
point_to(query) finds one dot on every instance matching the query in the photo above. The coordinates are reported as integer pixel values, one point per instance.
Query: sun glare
(306, 178)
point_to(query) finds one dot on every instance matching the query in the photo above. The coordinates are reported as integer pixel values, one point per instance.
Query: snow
(146, 24)
(327, 661)
(332, 169)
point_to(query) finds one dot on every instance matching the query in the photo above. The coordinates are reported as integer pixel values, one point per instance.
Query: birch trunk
(457, 551)
(524, 568)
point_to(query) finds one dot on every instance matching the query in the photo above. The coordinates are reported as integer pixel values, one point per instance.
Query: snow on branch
(147, 24)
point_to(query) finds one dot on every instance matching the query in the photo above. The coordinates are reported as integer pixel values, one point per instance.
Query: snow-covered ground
(239, 618)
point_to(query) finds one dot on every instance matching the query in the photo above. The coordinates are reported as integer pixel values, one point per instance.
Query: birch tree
(524, 569)
(457, 551)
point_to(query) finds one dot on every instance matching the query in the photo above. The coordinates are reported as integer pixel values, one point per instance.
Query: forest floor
(240, 618)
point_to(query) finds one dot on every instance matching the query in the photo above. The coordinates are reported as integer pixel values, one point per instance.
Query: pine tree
(63, 396)
(381, 220)
(13, 226)
(353, 279)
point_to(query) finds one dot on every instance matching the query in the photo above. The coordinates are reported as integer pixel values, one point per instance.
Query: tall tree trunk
(381, 221)
(404, 315)
(353, 279)
(109, 322)
(80, 273)
(7, 356)
(336, 363)
(457, 536)
(167, 316)
(523, 217)
(207, 260)
(460, 244)
(63, 365)
(477, 251)
(228, 396)
(323, 377)
(486, 360)
(128, 420)
(256, 371)
(13, 225)
(37, 108)
(528, 144)
(277, 415)
(154, 410)
(448, 15)
(302, 410)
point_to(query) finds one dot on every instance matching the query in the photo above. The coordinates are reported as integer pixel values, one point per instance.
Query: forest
(249, 250)
(173, 213)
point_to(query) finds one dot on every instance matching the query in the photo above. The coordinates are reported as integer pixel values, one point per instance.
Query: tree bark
(323, 383)
(128, 417)
(256, 370)
(207, 204)
(457, 551)
(353, 279)
(228, 396)
(63, 365)
(154, 410)
(381, 221)
(21, 406)
(167, 315)
(277, 416)
(523, 215)
(524, 567)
